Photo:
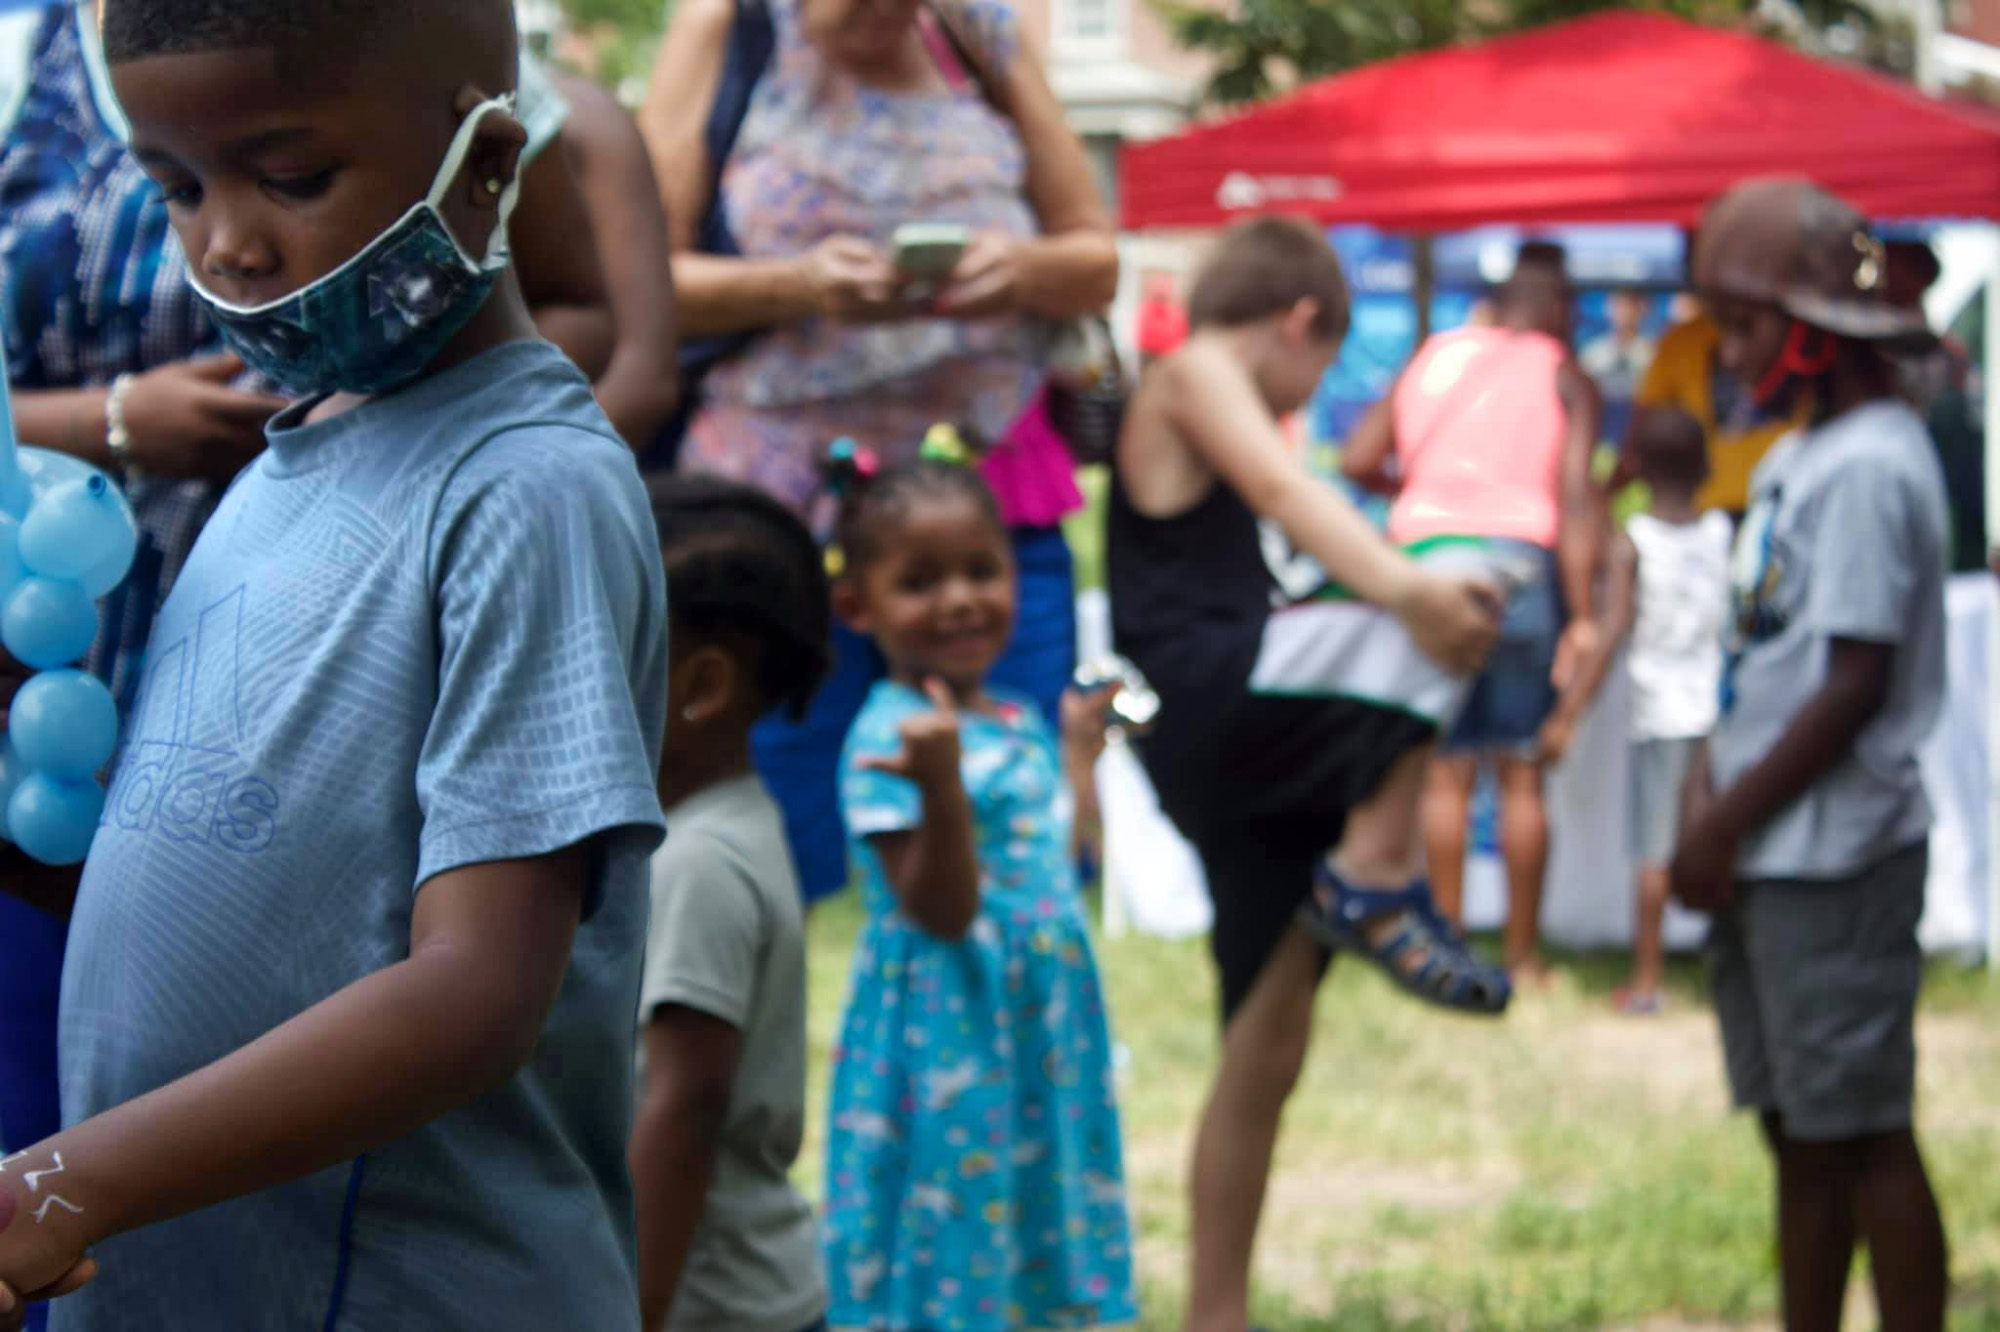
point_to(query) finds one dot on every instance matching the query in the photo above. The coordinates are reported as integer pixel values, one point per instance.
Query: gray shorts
(1816, 989)
(1659, 773)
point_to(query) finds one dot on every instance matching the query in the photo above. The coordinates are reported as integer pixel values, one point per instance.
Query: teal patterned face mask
(374, 323)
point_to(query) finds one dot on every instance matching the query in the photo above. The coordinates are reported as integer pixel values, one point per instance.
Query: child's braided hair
(738, 561)
(873, 498)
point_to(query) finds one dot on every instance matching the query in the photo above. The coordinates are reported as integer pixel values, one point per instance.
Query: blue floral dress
(975, 1179)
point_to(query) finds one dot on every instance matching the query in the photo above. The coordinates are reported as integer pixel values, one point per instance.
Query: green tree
(623, 34)
(1260, 47)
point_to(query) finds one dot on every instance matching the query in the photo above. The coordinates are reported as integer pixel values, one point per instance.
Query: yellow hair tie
(943, 444)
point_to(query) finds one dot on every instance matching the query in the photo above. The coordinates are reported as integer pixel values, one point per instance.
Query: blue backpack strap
(753, 40)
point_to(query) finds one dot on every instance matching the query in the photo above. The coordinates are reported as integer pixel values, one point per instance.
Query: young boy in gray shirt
(1810, 845)
(725, 1242)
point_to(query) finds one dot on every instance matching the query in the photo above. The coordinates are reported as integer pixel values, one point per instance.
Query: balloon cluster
(67, 537)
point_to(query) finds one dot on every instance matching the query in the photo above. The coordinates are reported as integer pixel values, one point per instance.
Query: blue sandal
(1422, 953)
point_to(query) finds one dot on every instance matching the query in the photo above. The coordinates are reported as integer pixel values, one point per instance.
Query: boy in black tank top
(1290, 749)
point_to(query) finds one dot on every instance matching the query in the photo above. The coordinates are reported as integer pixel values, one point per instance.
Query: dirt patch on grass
(1676, 1060)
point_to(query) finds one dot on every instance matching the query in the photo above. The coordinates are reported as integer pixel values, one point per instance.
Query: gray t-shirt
(728, 940)
(1845, 538)
(426, 634)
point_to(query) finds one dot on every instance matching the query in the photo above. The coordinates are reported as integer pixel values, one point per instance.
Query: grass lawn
(1564, 1168)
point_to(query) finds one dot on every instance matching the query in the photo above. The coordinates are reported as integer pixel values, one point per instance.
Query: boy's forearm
(1325, 525)
(371, 1064)
(1820, 738)
(673, 1162)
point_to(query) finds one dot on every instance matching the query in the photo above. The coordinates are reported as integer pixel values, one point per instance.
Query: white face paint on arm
(34, 1178)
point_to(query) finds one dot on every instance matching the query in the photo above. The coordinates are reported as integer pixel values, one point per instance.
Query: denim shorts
(800, 761)
(1513, 698)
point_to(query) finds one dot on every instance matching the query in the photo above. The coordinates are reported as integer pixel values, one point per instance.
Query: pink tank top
(1479, 438)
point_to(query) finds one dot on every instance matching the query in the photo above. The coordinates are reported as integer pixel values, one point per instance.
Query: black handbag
(1088, 391)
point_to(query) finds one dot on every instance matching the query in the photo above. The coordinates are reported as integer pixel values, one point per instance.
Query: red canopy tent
(1614, 118)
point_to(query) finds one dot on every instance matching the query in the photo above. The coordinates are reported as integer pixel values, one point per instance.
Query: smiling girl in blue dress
(974, 1178)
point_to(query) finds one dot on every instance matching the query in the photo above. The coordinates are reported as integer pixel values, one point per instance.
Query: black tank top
(1190, 593)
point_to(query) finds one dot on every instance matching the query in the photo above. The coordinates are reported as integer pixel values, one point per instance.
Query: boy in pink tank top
(1489, 434)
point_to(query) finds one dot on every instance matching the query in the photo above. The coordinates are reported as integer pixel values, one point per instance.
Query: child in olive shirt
(725, 1242)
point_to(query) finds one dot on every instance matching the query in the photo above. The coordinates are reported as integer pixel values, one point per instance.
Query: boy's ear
(495, 158)
(847, 604)
(1300, 319)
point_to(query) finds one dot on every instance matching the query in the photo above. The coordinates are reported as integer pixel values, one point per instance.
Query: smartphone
(928, 251)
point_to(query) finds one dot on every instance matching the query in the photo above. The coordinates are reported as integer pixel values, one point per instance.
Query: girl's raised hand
(930, 752)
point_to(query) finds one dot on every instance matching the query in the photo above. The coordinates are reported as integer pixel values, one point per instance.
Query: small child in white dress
(1680, 599)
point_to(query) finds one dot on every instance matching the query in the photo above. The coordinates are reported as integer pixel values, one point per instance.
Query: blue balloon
(17, 496)
(12, 571)
(64, 723)
(54, 820)
(48, 623)
(76, 526)
(98, 582)
(45, 469)
(12, 770)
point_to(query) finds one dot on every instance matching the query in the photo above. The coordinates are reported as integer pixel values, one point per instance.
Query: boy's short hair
(1265, 267)
(1669, 447)
(477, 33)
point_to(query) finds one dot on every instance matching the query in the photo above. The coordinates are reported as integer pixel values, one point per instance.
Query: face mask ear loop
(454, 160)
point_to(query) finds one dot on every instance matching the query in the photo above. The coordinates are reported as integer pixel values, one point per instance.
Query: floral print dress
(821, 155)
(975, 1179)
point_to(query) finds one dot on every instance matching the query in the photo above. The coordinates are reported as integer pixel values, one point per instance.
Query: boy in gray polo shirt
(1811, 847)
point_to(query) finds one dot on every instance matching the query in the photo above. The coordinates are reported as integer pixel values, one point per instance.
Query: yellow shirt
(1680, 376)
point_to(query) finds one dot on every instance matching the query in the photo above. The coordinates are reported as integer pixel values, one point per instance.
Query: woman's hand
(987, 279)
(851, 281)
(187, 424)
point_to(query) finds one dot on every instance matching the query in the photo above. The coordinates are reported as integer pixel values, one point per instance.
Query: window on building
(1102, 150)
(1088, 21)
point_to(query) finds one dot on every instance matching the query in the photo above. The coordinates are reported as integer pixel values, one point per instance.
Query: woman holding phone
(869, 116)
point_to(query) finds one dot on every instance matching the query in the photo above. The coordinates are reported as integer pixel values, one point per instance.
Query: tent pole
(1423, 287)
(1992, 480)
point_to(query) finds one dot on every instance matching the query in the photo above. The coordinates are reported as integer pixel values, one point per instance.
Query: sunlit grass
(1564, 1168)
